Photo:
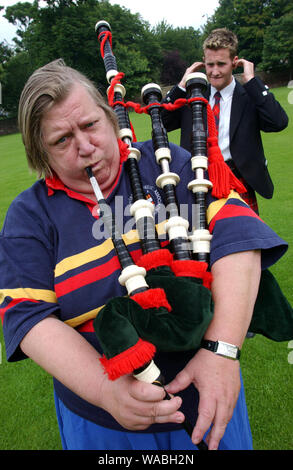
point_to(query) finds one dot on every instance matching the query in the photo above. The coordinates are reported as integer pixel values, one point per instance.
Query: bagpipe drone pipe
(129, 319)
(211, 174)
(141, 322)
(171, 306)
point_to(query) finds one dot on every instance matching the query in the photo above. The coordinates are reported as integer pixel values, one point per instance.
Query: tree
(223, 17)
(186, 41)
(6, 52)
(21, 15)
(138, 71)
(16, 72)
(65, 28)
(249, 20)
(278, 44)
(173, 68)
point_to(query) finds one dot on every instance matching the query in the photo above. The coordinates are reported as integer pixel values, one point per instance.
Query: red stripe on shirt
(87, 277)
(231, 210)
(87, 327)
(94, 274)
(91, 275)
(12, 304)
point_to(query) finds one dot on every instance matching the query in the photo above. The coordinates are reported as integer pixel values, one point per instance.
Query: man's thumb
(180, 382)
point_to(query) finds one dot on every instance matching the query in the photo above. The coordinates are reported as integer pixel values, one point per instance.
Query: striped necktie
(216, 108)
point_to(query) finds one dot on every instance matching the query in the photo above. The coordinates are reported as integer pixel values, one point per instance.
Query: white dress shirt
(225, 113)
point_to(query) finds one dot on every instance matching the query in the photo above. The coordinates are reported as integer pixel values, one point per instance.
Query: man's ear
(234, 62)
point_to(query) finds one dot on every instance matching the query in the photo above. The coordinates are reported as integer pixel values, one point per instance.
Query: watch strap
(221, 348)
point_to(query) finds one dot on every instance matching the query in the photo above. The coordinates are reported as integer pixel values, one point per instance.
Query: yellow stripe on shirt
(98, 252)
(215, 206)
(84, 257)
(77, 321)
(28, 293)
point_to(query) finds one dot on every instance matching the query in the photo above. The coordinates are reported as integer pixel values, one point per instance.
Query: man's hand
(217, 380)
(248, 69)
(136, 405)
(193, 68)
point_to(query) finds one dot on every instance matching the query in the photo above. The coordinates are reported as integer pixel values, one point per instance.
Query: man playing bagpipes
(57, 273)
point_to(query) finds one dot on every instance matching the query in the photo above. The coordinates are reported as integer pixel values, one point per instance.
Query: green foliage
(185, 40)
(180, 46)
(5, 54)
(21, 14)
(13, 81)
(278, 44)
(136, 64)
(65, 28)
(249, 19)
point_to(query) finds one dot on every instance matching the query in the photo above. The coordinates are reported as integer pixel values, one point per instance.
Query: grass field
(27, 416)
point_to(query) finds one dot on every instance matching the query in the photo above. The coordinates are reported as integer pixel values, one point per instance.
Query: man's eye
(61, 140)
(89, 124)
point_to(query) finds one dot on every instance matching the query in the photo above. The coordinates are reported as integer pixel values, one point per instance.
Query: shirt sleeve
(26, 278)
(235, 228)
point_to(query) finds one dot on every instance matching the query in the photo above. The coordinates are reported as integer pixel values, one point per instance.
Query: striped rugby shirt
(54, 259)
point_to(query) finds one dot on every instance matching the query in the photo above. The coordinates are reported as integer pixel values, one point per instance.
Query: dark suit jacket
(254, 109)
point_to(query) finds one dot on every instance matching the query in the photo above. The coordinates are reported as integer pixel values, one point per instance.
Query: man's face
(78, 134)
(219, 67)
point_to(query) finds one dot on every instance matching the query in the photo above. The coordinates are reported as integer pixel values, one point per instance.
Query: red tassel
(218, 170)
(129, 360)
(152, 298)
(220, 174)
(124, 150)
(157, 258)
(207, 280)
(133, 133)
(191, 268)
(114, 81)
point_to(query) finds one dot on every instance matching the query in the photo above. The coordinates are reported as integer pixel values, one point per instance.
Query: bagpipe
(169, 305)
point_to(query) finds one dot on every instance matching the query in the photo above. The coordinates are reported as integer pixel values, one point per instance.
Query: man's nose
(215, 70)
(84, 145)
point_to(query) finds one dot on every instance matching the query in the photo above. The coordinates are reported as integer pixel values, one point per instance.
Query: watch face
(227, 350)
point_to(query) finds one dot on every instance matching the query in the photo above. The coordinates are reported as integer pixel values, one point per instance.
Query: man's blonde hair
(222, 38)
(47, 86)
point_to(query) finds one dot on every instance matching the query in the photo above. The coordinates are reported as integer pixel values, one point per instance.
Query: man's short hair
(47, 86)
(222, 38)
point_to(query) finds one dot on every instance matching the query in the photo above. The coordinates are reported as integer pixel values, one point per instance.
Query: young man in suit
(245, 111)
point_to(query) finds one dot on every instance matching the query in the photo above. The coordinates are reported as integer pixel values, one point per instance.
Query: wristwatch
(221, 348)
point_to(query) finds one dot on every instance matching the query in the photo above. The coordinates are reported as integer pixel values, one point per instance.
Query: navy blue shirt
(56, 259)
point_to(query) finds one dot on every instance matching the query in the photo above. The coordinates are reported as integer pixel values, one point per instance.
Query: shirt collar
(226, 92)
(54, 183)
